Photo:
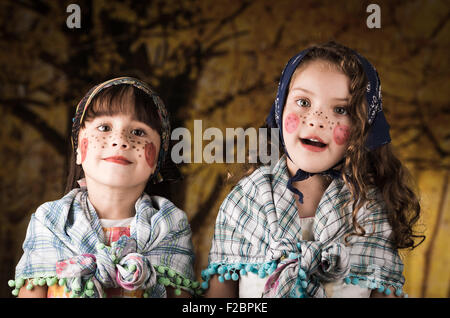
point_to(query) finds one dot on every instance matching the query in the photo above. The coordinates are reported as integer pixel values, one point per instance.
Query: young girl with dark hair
(107, 237)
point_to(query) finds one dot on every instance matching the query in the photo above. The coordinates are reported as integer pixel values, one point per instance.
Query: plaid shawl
(258, 230)
(64, 243)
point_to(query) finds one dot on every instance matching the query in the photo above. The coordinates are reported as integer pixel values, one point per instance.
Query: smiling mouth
(119, 160)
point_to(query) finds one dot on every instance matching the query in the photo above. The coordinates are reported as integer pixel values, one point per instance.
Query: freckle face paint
(341, 134)
(291, 123)
(83, 148)
(150, 154)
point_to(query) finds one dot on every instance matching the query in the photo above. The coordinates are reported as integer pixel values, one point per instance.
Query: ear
(78, 156)
(78, 160)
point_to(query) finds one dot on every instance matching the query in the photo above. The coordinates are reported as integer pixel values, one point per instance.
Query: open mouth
(313, 142)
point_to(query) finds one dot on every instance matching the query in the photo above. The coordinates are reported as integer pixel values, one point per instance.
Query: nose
(121, 142)
(317, 119)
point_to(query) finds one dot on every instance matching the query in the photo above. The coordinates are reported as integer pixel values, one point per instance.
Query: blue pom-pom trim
(299, 290)
(234, 271)
(381, 287)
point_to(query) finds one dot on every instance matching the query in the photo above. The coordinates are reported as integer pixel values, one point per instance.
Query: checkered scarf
(258, 230)
(65, 239)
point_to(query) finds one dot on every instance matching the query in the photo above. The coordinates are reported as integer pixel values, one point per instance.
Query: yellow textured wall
(218, 61)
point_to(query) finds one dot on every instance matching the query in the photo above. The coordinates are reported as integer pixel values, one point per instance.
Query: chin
(311, 168)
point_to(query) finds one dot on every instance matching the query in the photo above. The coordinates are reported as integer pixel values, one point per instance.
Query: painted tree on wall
(219, 62)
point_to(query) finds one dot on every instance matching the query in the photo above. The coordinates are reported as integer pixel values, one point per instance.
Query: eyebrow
(345, 99)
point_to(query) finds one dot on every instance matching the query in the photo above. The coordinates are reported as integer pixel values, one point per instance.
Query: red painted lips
(313, 143)
(118, 159)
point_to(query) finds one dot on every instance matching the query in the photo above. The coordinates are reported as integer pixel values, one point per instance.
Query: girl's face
(118, 151)
(316, 124)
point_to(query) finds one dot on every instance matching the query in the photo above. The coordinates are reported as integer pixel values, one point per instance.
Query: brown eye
(103, 128)
(340, 110)
(138, 132)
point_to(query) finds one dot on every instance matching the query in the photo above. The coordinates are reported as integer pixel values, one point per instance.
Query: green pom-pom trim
(195, 284)
(20, 282)
(90, 285)
(171, 273)
(169, 277)
(85, 288)
(160, 269)
(51, 281)
(186, 282)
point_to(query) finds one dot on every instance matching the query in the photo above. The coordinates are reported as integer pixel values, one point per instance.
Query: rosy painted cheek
(150, 154)
(83, 148)
(341, 134)
(291, 123)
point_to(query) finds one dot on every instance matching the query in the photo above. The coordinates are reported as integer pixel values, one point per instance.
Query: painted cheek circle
(341, 134)
(150, 154)
(83, 148)
(291, 123)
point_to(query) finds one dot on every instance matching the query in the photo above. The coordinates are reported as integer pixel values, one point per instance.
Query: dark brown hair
(363, 169)
(117, 99)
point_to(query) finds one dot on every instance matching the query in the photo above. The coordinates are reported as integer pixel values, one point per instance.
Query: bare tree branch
(51, 135)
(225, 101)
(224, 21)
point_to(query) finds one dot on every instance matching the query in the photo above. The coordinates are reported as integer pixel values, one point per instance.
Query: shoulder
(374, 217)
(339, 195)
(255, 183)
(338, 205)
(250, 188)
(375, 209)
(247, 198)
(54, 211)
(51, 223)
(68, 198)
(160, 208)
(159, 202)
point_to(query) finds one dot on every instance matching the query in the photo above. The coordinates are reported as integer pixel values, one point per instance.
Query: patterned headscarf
(379, 128)
(161, 109)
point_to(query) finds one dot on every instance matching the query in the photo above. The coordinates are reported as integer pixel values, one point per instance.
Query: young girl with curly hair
(328, 219)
